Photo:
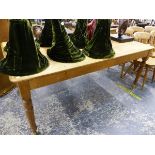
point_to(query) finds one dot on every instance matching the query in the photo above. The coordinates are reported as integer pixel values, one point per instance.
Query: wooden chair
(150, 63)
(150, 66)
(132, 29)
(152, 39)
(137, 29)
(149, 28)
(146, 38)
(143, 37)
(129, 31)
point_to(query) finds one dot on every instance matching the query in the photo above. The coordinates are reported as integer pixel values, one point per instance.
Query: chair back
(152, 38)
(137, 28)
(149, 28)
(143, 37)
(129, 31)
(152, 42)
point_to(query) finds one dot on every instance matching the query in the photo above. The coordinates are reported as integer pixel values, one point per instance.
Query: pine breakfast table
(56, 72)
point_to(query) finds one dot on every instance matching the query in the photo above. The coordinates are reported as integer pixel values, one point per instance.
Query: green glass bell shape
(63, 49)
(79, 35)
(100, 45)
(46, 35)
(23, 55)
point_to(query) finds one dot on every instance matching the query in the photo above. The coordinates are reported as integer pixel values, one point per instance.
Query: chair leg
(153, 77)
(145, 76)
(136, 64)
(128, 70)
(122, 70)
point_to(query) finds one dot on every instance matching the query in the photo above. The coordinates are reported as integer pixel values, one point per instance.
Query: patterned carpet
(89, 104)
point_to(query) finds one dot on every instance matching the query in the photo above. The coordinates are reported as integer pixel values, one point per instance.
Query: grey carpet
(90, 104)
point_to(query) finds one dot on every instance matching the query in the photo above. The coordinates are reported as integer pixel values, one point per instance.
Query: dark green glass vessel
(46, 35)
(63, 49)
(23, 55)
(100, 45)
(79, 35)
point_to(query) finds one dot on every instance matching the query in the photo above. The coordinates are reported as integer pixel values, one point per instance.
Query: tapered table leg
(24, 89)
(139, 72)
(153, 75)
(128, 70)
(122, 71)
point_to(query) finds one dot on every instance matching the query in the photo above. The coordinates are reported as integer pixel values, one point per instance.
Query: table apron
(45, 80)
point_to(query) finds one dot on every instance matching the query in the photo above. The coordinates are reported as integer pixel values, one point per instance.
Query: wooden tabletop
(61, 71)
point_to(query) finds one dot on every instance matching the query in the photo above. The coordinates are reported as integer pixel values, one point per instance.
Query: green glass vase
(79, 35)
(46, 35)
(100, 45)
(63, 49)
(23, 55)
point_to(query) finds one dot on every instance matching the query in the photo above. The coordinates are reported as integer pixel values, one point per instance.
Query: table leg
(24, 89)
(145, 76)
(122, 71)
(128, 70)
(153, 75)
(139, 72)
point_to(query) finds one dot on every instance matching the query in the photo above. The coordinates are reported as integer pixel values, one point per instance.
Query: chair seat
(150, 61)
(139, 60)
(153, 54)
